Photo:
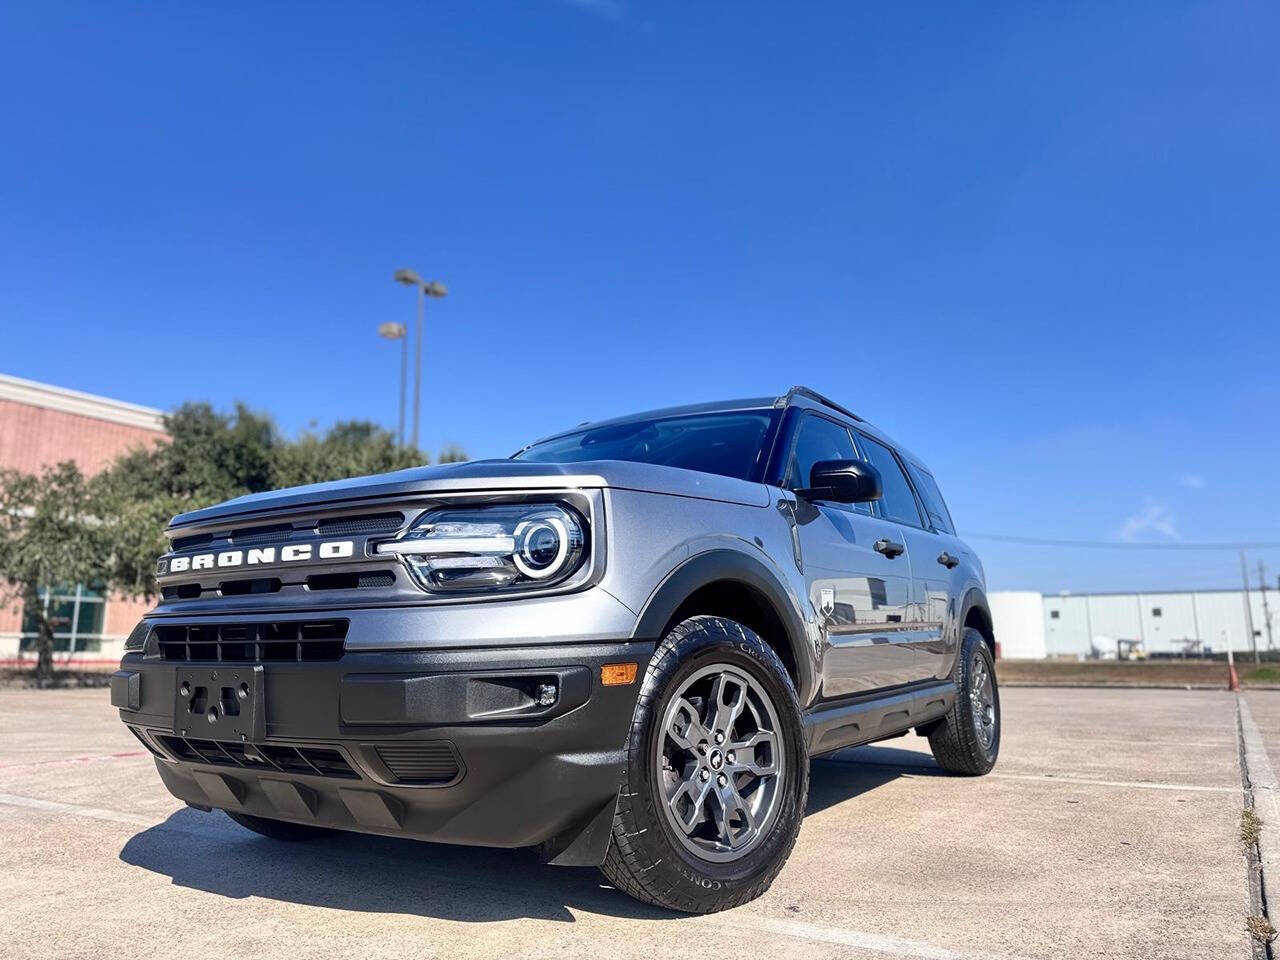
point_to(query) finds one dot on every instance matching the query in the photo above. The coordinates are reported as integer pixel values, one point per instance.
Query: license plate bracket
(220, 703)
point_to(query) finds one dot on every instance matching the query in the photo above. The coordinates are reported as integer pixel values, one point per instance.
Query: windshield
(729, 444)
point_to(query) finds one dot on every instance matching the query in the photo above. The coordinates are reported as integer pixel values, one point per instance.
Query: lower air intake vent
(315, 761)
(428, 763)
(351, 581)
(277, 641)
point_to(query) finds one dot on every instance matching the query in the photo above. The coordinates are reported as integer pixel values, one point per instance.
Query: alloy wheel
(720, 759)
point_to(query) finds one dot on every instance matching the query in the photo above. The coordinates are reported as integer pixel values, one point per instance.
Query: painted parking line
(734, 921)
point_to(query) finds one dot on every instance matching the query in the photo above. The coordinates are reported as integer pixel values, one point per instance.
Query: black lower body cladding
(504, 747)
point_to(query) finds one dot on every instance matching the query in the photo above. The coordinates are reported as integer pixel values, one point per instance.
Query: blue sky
(1036, 243)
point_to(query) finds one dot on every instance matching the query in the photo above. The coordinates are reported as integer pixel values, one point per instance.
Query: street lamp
(429, 288)
(398, 331)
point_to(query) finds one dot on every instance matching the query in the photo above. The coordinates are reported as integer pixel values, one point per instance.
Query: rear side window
(898, 503)
(934, 505)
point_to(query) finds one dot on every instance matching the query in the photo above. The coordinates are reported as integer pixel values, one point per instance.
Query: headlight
(480, 549)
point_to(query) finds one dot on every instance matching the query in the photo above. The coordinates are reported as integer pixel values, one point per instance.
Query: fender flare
(974, 598)
(733, 566)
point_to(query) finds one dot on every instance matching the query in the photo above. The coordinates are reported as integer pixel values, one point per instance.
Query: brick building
(41, 425)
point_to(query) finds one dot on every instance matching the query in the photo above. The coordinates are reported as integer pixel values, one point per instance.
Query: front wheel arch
(676, 599)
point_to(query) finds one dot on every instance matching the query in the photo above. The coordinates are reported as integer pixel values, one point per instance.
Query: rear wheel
(278, 829)
(717, 772)
(967, 740)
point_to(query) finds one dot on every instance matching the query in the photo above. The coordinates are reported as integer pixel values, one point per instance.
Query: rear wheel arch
(977, 614)
(738, 587)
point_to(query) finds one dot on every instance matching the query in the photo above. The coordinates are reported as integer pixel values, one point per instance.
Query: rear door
(939, 571)
(900, 507)
(860, 595)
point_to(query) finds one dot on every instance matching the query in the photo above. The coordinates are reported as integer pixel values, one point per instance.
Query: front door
(858, 574)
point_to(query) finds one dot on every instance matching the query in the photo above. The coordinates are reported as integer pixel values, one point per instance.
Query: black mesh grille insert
(425, 762)
(277, 641)
(183, 543)
(369, 523)
(277, 531)
(315, 761)
(351, 581)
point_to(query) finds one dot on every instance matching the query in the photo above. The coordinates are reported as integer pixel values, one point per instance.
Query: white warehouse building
(1032, 626)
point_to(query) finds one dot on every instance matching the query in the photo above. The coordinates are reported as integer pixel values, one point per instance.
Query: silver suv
(621, 645)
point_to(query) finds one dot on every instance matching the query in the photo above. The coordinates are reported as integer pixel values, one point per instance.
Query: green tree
(350, 448)
(49, 534)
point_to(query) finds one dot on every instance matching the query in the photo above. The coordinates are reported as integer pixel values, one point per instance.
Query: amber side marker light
(618, 674)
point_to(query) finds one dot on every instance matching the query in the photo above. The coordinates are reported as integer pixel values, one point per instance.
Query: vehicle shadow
(375, 874)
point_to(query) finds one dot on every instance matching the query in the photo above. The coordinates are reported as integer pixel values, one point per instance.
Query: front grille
(199, 540)
(430, 762)
(282, 641)
(277, 531)
(369, 523)
(284, 532)
(317, 761)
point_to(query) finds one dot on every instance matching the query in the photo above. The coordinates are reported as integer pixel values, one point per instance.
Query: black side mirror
(843, 481)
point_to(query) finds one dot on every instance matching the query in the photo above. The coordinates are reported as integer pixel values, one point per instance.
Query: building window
(76, 615)
(1157, 612)
(1054, 614)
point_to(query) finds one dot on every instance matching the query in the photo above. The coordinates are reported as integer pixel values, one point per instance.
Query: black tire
(958, 744)
(647, 859)
(279, 829)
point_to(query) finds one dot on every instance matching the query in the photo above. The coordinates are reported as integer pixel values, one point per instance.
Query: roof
(796, 396)
(46, 395)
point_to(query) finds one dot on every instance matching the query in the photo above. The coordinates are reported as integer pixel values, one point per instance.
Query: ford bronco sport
(622, 645)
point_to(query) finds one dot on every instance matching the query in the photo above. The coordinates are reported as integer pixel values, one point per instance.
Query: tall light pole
(398, 331)
(426, 288)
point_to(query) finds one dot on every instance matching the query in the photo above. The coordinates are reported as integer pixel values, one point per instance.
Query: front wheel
(967, 740)
(717, 772)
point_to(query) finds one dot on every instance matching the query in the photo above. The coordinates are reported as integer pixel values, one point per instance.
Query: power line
(1121, 545)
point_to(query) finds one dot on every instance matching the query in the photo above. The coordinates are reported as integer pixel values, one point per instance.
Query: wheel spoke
(728, 695)
(685, 727)
(746, 754)
(694, 790)
(732, 815)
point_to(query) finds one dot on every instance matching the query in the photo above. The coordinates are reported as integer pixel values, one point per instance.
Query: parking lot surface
(1108, 829)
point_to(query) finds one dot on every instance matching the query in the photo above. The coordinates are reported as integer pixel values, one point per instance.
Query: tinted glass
(934, 505)
(730, 444)
(898, 502)
(820, 439)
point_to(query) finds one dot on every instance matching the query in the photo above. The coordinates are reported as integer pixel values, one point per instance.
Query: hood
(490, 475)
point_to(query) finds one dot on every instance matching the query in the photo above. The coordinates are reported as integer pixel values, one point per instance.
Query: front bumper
(443, 745)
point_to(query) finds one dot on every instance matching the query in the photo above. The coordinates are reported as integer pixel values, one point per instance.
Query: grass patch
(1250, 828)
(1260, 929)
(1101, 673)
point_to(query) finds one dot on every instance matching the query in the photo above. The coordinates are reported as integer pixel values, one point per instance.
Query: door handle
(889, 548)
(948, 561)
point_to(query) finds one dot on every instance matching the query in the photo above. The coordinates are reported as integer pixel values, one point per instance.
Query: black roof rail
(799, 391)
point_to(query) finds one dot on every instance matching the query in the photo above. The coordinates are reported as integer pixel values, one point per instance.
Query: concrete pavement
(1109, 829)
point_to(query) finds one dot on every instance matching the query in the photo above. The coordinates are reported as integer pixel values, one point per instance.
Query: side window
(817, 439)
(934, 505)
(898, 503)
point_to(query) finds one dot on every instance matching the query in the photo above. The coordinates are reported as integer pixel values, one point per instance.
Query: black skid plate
(220, 703)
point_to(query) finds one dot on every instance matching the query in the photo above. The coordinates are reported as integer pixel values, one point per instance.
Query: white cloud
(1151, 518)
(1192, 481)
